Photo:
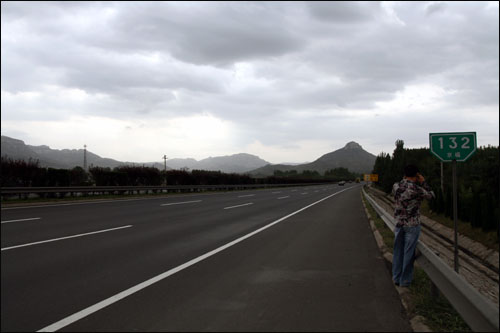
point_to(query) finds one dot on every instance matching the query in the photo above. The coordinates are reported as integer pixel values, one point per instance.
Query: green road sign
(453, 146)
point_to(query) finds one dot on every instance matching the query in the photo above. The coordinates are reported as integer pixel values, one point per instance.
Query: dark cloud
(434, 8)
(216, 34)
(349, 12)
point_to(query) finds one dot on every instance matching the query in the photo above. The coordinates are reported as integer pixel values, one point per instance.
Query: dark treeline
(30, 173)
(333, 175)
(477, 178)
(149, 176)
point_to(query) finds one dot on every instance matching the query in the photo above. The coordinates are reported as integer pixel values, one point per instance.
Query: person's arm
(427, 192)
(395, 187)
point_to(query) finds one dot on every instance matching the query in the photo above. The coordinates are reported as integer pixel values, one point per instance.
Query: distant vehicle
(342, 183)
(357, 180)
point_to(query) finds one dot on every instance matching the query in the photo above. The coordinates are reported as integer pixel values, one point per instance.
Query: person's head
(411, 171)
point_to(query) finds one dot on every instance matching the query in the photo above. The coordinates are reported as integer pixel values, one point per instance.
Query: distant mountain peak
(353, 145)
(352, 156)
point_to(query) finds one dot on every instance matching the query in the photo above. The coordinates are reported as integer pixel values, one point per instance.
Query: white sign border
(449, 134)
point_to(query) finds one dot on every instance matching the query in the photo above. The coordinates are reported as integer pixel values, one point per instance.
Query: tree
(339, 174)
(478, 182)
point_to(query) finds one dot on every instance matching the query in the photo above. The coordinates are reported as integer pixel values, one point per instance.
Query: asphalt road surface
(294, 259)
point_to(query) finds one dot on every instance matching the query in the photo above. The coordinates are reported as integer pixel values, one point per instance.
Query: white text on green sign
(453, 146)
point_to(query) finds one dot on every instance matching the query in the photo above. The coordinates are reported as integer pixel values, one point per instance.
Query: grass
(438, 313)
(383, 229)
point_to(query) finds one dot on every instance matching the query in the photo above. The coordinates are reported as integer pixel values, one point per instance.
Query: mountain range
(53, 158)
(237, 163)
(69, 158)
(352, 157)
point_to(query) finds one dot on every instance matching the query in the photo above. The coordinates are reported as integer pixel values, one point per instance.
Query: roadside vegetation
(20, 173)
(478, 188)
(438, 313)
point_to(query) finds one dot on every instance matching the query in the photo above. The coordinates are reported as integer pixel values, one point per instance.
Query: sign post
(453, 147)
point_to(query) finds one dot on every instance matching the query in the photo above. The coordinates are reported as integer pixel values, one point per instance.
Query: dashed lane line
(20, 220)
(246, 204)
(121, 295)
(61, 238)
(180, 203)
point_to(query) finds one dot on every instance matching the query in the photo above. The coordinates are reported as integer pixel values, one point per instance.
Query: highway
(294, 259)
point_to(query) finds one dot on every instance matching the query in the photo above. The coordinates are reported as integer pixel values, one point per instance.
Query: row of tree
(30, 173)
(333, 175)
(478, 182)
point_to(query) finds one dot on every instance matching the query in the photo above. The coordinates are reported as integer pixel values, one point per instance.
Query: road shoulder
(416, 321)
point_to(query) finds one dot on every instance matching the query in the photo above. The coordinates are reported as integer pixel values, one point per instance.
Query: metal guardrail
(478, 312)
(89, 189)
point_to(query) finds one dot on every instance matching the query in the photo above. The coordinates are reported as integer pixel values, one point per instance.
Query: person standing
(409, 194)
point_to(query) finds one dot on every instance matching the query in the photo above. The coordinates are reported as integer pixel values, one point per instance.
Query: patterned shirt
(409, 195)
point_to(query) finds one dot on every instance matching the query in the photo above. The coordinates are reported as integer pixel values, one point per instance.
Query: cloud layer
(285, 81)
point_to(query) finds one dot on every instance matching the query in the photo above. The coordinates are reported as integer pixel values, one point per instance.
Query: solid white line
(57, 239)
(77, 203)
(283, 197)
(30, 219)
(246, 195)
(180, 203)
(247, 204)
(113, 299)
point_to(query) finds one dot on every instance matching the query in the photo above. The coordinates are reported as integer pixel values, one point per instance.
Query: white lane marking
(180, 203)
(283, 197)
(113, 299)
(304, 193)
(29, 219)
(61, 238)
(231, 207)
(78, 203)
(246, 195)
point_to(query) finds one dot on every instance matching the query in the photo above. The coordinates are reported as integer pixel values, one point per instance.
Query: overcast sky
(288, 82)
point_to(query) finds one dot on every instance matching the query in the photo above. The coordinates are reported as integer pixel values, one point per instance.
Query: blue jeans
(405, 242)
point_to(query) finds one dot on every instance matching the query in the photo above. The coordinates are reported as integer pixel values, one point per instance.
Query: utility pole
(165, 168)
(85, 157)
